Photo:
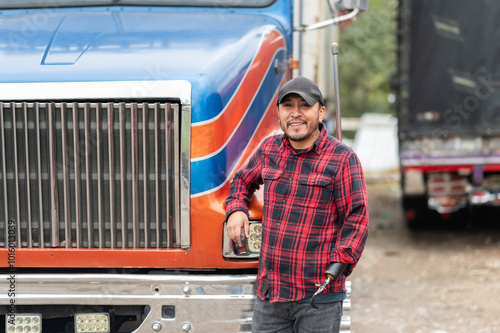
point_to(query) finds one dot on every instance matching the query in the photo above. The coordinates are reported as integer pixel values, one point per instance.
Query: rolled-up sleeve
(352, 213)
(244, 184)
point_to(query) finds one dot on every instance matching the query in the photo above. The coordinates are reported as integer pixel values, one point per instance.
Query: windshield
(183, 3)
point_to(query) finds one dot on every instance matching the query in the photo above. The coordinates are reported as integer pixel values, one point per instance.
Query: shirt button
(278, 224)
(290, 178)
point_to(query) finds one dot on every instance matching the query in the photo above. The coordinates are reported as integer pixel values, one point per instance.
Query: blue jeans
(296, 317)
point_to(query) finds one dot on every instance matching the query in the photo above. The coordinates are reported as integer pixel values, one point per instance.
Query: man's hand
(234, 223)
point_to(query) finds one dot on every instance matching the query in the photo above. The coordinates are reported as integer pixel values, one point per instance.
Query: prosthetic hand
(333, 273)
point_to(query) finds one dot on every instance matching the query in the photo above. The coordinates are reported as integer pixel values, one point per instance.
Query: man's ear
(322, 111)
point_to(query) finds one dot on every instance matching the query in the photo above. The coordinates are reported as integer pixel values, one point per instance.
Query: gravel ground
(429, 281)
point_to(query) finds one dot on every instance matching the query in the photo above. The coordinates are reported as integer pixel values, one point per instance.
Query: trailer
(448, 109)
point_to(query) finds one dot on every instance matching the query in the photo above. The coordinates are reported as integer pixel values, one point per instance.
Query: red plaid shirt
(315, 213)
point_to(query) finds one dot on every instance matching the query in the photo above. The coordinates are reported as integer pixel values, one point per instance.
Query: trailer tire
(417, 214)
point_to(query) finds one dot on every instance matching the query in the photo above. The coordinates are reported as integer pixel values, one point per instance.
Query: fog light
(92, 322)
(255, 237)
(23, 322)
(251, 245)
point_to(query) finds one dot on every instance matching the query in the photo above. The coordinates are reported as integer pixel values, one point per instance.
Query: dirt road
(431, 281)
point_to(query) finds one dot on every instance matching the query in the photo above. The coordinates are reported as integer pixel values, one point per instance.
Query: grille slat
(4, 173)
(157, 176)
(135, 178)
(90, 175)
(168, 153)
(66, 191)
(145, 172)
(41, 236)
(27, 168)
(54, 193)
(16, 172)
(100, 213)
(77, 175)
(123, 179)
(111, 166)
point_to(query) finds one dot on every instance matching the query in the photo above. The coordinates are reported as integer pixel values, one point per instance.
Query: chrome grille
(90, 175)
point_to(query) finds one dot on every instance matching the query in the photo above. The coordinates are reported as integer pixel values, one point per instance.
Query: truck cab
(121, 126)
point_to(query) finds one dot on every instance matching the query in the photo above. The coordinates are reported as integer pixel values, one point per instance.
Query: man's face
(299, 120)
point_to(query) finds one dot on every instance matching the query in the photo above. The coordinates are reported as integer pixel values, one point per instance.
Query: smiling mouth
(295, 124)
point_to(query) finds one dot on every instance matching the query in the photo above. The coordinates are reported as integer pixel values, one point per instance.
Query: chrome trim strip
(180, 89)
(176, 178)
(185, 176)
(118, 280)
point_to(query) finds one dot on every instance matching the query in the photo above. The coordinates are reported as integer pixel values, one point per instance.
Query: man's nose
(295, 111)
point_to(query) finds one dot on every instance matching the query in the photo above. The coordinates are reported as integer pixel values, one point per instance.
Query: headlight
(251, 245)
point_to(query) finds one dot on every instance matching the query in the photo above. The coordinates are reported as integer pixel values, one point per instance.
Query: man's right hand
(234, 223)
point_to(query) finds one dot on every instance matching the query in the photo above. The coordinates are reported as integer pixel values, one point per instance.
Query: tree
(368, 60)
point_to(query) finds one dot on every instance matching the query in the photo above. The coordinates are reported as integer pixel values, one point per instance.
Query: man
(315, 216)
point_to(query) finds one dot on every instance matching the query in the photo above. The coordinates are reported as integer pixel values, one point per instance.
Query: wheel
(417, 213)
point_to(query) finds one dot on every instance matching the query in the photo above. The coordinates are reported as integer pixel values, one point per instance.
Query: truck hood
(211, 50)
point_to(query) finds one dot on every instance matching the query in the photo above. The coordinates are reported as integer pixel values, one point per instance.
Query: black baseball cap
(304, 87)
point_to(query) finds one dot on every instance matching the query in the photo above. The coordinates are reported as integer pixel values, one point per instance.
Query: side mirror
(347, 10)
(349, 5)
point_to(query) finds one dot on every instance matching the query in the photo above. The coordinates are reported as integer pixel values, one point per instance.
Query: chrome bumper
(221, 303)
(203, 303)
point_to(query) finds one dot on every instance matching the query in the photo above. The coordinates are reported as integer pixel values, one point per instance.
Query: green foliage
(367, 60)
